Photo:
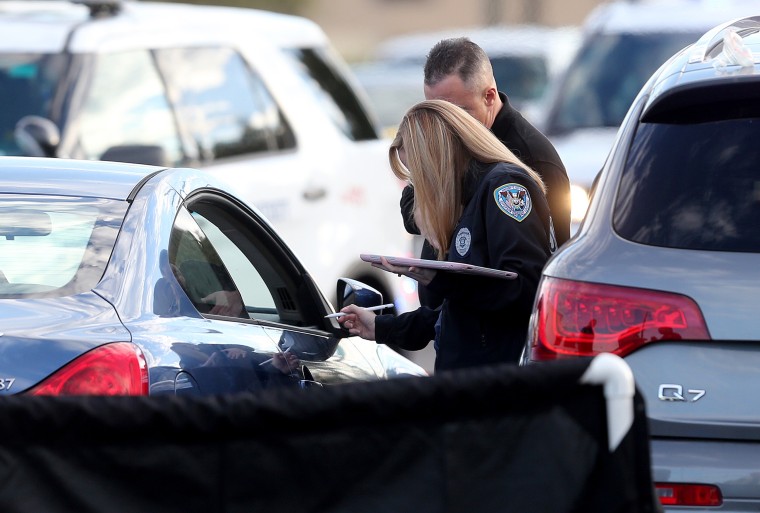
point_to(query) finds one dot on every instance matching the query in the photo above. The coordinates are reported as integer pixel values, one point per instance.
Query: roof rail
(705, 47)
(101, 8)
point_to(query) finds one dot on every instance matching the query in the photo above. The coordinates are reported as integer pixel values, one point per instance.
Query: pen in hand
(371, 308)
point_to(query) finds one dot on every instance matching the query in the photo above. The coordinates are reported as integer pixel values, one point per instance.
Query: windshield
(606, 76)
(55, 246)
(27, 86)
(692, 186)
(521, 78)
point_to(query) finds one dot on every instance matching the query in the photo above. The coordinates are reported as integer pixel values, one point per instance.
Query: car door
(224, 349)
(247, 276)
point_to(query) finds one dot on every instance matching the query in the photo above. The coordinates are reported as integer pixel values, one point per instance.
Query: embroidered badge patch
(514, 200)
(462, 241)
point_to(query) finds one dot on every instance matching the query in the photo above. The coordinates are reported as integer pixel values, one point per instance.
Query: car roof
(46, 26)
(97, 179)
(707, 70)
(652, 16)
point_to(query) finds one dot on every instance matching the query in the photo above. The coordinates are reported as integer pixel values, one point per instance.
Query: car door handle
(314, 193)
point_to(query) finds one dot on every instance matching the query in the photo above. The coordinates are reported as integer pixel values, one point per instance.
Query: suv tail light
(584, 319)
(677, 494)
(112, 369)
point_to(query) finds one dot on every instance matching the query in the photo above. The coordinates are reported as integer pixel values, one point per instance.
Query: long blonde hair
(440, 139)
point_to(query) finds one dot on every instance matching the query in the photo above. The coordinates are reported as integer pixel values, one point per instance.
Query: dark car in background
(124, 279)
(665, 270)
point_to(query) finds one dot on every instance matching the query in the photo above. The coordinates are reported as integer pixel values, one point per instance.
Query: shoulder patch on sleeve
(514, 200)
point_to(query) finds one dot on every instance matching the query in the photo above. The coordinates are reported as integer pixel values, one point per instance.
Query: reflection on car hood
(39, 336)
(583, 152)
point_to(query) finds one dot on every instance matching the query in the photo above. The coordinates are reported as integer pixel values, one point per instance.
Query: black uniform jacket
(537, 152)
(505, 225)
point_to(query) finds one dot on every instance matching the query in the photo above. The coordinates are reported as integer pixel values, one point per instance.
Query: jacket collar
(476, 172)
(504, 119)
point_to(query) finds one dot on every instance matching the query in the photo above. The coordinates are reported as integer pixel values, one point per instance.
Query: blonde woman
(476, 203)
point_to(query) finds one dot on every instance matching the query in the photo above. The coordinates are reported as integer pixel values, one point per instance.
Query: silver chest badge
(462, 241)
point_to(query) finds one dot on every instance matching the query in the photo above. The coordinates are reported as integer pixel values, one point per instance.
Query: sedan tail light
(679, 494)
(112, 369)
(584, 319)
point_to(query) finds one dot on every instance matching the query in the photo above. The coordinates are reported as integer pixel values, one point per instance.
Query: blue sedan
(121, 279)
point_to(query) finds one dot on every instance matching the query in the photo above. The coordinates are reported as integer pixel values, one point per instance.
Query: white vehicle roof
(45, 26)
(665, 15)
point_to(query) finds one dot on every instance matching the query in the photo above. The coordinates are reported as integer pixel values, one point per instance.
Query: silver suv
(665, 270)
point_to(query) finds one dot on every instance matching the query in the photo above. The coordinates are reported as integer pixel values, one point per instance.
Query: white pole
(611, 371)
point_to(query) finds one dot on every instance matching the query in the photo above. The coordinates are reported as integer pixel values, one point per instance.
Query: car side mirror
(37, 136)
(354, 292)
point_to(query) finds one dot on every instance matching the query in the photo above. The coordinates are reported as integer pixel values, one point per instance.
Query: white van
(259, 99)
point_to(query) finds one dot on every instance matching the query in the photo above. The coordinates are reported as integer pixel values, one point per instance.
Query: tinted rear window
(55, 246)
(692, 186)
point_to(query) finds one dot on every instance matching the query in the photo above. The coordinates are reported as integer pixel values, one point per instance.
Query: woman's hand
(358, 321)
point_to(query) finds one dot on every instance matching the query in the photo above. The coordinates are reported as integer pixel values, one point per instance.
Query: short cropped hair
(457, 55)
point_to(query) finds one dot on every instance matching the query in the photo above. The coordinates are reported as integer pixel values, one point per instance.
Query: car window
(199, 269)
(55, 246)
(392, 87)
(28, 84)
(218, 248)
(223, 105)
(607, 74)
(126, 104)
(254, 291)
(524, 78)
(692, 186)
(331, 91)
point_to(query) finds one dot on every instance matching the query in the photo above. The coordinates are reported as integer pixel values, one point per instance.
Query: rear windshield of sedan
(692, 186)
(55, 246)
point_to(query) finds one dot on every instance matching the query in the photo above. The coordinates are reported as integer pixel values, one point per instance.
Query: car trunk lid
(700, 389)
(39, 336)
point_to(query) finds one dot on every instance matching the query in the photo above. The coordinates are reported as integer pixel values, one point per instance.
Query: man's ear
(491, 95)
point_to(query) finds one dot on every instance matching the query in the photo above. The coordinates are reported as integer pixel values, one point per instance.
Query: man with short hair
(459, 71)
